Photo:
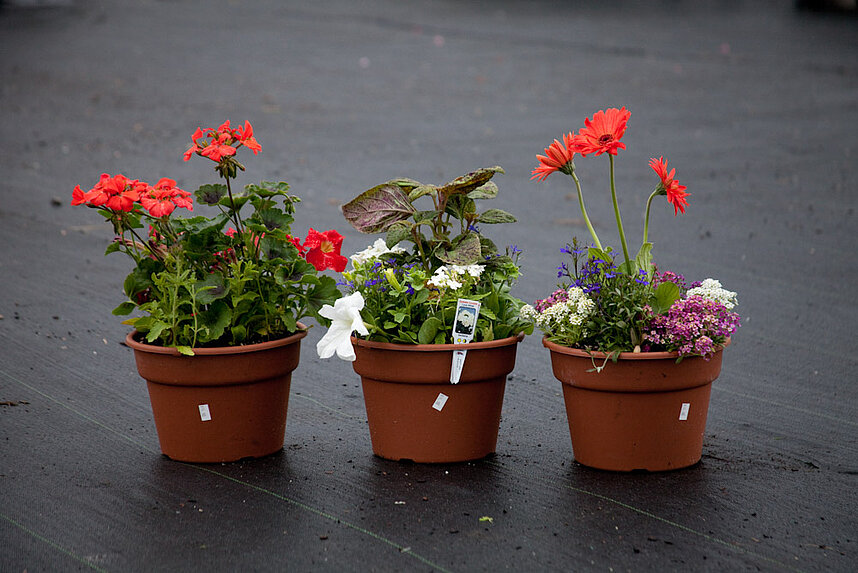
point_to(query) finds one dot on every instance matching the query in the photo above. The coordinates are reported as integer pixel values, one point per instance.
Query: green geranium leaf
(125, 308)
(212, 288)
(375, 210)
(274, 219)
(185, 350)
(210, 194)
(234, 204)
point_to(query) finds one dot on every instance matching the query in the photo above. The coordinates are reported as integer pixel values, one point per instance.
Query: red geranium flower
(603, 133)
(675, 192)
(164, 197)
(557, 157)
(113, 192)
(222, 142)
(245, 136)
(297, 242)
(323, 250)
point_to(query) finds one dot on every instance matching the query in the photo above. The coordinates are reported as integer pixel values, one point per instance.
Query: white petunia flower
(345, 319)
(375, 250)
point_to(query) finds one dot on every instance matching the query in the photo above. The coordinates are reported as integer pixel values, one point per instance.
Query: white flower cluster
(378, 248)
(564, 318)
(712, 290)
(451, 277)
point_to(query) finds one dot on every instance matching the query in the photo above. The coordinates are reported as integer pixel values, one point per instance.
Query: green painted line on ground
(402, 548)
(52, 544)
(649, 514)
(787, 406)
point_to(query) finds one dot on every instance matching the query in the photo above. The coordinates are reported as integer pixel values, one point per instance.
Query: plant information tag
(440, 401)
(683, 412)
(464, 325)
(205, 414)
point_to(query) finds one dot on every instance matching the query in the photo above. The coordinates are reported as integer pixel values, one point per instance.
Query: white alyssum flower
(375, 250)
(562, 317)
(345, 319)
(712, 290)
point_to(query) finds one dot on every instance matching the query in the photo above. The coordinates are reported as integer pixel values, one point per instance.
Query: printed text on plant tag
(205, 414)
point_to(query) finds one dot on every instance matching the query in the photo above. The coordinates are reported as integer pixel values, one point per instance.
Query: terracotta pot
(644, 412)
(222, 404)
(402, 384)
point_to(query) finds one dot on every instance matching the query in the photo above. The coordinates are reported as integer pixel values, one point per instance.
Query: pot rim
(132, 342)
(438, 347)
(559, 348)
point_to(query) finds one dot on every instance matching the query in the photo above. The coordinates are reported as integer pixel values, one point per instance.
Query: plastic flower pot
(413, 410)
(642, 412)
(222, 404)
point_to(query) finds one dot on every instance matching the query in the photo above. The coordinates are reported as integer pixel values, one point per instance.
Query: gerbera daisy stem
(590, 228)
(646, 216)
(619, 219)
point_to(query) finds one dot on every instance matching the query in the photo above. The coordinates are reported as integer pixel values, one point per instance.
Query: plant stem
(598, 244)
(619, 219)
(646, 216)
(235, 216)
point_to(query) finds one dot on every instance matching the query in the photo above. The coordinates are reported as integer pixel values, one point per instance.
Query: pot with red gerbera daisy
(635, 348)
(220, 298)
(436, 325)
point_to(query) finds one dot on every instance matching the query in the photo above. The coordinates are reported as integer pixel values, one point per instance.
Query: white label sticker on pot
(440, 401)
(205, 415)
(683, 412)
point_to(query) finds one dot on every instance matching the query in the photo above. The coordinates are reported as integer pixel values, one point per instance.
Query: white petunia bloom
(375, 250)
(345, 319)
(712, 290)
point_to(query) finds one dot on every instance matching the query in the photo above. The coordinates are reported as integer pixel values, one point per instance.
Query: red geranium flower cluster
(222, 142)
(120, 194)
(322, 250)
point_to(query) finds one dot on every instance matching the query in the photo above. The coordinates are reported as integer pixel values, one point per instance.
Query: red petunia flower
(323, 250)
(558, 157)
(675, 192)
(603, 133)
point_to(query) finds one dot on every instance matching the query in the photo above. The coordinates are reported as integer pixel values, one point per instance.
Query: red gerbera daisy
(603, 133)
(558, 157)
(323, 250)
(675, 192)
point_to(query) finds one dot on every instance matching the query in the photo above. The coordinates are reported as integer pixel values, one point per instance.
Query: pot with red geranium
(221, 298)
(635, 348)
(436, 325)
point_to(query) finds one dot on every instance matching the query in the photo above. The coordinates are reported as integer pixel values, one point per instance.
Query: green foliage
(201, 286)
(447, 233)
(403, 304)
